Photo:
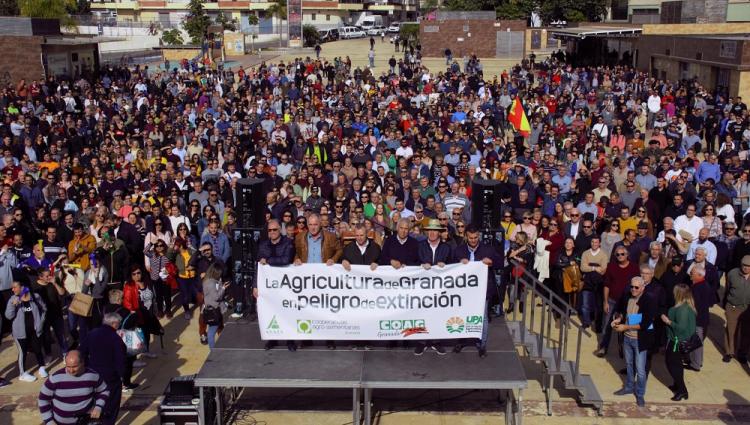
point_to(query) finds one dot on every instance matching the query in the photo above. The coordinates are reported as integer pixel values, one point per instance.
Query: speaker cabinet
(251, 203)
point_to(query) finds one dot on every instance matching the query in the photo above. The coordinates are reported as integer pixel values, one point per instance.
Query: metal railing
(528, 290)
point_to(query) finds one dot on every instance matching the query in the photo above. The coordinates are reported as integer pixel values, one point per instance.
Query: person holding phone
(213, 298)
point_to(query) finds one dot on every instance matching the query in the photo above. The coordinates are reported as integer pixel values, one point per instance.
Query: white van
(351, 32)
(367, 22)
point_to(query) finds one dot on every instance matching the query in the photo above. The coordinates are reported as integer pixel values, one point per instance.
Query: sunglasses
(621, 254)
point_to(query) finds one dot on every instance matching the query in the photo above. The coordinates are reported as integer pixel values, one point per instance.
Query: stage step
(588, 394)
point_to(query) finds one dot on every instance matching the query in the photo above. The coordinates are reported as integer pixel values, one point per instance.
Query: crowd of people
(628, 198)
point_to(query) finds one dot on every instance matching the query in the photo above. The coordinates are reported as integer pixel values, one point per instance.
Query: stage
(239, 360)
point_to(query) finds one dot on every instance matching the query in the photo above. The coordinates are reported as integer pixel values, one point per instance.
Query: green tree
(9, 8)
(310, 35)
(278, 9)
(252, 19)
(469, 4)
(409, 32)
(79, 7)
(226, 23)
(196, 23)
(516, 9)
(172, 37)
(48, 9)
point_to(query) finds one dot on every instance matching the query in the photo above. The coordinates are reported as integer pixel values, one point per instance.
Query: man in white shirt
(402, 210)
(654, 106)
(688, 222)
(703, 242)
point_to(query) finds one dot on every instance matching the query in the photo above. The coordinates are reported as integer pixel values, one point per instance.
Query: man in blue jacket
(433, 252)
(219, 241)
(474, 250)
(104, 352)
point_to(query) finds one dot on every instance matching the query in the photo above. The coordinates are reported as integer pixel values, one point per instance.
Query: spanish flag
(517, 117)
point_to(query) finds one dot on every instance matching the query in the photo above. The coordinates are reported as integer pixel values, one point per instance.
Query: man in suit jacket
(474, 250)
(654, 259)
(433, 252)
(574, 226)
(128, 234)
(316, 245)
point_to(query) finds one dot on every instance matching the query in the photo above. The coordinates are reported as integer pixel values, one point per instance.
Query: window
(728, 49)
(314, 15)
(328, 17)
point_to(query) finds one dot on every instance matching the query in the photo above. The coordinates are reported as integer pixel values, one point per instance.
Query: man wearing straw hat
(433, 252)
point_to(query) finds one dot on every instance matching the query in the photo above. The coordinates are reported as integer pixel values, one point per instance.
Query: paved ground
(720, 394)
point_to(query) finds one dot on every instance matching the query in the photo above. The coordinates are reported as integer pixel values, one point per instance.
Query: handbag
(689, 345)
(81, 304)
(572, 279)
(212, 316)
(134, 339)
(517, 270)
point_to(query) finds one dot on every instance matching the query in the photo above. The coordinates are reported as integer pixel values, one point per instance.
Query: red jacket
(130, 299)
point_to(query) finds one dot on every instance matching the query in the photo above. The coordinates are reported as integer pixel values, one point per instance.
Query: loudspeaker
(485, 203)
(246, 243)
(251, 203)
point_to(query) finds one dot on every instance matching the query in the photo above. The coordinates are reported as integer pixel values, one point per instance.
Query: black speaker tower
(251, 203)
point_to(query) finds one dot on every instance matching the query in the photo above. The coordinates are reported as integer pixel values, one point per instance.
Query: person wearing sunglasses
(616, 281)
(276, 251)
(634, 317)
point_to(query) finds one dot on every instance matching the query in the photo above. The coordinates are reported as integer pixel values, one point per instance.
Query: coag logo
(273, 325)
(474, 320)
(454, 325)
(304, 327)
(399, 325)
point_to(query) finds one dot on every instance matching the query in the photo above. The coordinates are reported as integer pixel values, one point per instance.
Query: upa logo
(454, 325)
(304, 327)
(474, 320)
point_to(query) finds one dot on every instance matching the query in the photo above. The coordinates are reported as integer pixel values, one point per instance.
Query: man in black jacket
(474, 250)
(104, 351)
(635, 315)
(361, 251)
(276, 251)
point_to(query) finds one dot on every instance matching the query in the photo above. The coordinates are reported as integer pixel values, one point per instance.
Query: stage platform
(239, 360)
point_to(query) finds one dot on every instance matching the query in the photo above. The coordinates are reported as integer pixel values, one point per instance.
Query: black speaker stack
(251, 217)
(485, 204)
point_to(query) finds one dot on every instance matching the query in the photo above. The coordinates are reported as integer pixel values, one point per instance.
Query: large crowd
(627, 197)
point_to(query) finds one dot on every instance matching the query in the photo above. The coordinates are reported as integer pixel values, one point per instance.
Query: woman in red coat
(138, 298)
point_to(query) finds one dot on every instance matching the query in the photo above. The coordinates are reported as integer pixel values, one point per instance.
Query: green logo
(304, 327)
(474, 320)
(273, 325)
(454, 325)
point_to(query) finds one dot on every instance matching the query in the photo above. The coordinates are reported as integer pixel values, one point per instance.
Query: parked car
(394, 27)
(351, 32)
(376, 30)
(328, 35)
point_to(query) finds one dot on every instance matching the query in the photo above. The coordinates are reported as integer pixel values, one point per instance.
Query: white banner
(319, 302)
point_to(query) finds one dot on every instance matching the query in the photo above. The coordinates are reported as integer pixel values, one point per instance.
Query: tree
(79, 7)
(9, 8)
(226, 23)
(469, 4)
(278, 9)
(252, 20)
(310, 34)
(48, 9)
(409, 32)
(172, 37)
(196, 23)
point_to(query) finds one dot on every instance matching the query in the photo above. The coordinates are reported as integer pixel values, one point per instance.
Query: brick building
(38, 49)
(471, 33)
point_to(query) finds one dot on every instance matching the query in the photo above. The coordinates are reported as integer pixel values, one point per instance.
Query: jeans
(57, 324)
(485, 327)
(606, 328)
(588, 307)
(635, 361)
(188, 291)
(163, 296)
(212, 330)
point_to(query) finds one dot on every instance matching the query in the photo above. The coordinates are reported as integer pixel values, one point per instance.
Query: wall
(27, 59)
(545, 46)
(176, 55)
(693, 29)
(464, 36)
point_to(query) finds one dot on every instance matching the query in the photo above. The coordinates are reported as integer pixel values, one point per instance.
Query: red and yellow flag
(517, 117)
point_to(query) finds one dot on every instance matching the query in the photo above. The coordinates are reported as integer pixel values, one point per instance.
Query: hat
(746, 261)
(433, 224)
(684, 234)
(643, 225)
(677, 260)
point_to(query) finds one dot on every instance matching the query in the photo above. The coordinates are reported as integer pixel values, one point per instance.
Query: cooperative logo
(406, 327)
(454, 325)
(273, 325)
(304, 327)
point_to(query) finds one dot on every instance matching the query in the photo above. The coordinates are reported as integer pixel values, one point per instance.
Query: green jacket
(683, 323)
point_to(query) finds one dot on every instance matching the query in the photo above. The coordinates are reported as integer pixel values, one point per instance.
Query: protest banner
(320, 302)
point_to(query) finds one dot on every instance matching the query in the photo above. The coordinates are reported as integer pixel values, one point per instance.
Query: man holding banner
(474, 250)
(433, 252)
(316, 246)
(276, 251)
(361, 251)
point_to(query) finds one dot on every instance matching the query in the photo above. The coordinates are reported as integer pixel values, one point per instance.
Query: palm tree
(279, 10)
